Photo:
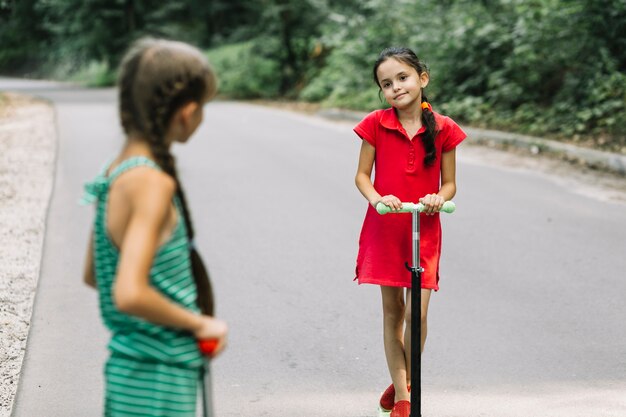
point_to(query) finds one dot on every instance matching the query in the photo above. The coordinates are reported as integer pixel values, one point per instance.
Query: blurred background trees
(549, 67)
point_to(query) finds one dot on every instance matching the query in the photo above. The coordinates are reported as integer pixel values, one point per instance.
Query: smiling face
(400, 83)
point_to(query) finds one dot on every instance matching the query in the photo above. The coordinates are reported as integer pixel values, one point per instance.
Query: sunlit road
(529, 320)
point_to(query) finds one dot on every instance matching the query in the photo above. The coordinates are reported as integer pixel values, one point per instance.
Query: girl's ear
(184, 122)
(186, 113)
(424, 79)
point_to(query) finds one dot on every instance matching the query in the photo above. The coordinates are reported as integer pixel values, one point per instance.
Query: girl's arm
(88, 275)
(434, 202)
(151, 202)
(363, 179)
(448, 175)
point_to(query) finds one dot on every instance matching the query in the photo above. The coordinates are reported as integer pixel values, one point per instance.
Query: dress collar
(389, 120)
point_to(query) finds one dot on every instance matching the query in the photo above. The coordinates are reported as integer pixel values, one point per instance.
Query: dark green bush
(244, 71)
(544, 67)
(539, 67)
(94, 74)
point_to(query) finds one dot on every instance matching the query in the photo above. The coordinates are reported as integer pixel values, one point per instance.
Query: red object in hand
(207, 346)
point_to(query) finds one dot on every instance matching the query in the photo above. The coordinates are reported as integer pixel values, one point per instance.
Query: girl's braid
(428, 139)
(159, 114)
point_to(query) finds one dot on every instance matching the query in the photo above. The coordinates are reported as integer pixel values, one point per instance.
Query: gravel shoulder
(27, 153)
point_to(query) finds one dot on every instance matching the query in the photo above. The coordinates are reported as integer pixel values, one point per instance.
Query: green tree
(100, 30)
(275, 55)
(23, 37)
(288, 30)
(227, 21)
(537, 66)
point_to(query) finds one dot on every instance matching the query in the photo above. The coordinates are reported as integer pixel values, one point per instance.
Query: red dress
(385, 242)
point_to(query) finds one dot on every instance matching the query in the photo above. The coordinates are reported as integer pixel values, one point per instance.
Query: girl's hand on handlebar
(391, 201)
(212, 328)
(432, 203)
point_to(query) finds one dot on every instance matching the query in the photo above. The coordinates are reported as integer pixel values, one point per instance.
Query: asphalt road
(529, 320)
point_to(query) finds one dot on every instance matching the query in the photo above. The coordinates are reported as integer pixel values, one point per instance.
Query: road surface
(529, 320)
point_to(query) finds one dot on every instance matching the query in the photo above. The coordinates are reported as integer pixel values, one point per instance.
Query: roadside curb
(590, 157)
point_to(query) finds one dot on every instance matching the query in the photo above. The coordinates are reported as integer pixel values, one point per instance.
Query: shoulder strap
(95, 188)
(131, 163)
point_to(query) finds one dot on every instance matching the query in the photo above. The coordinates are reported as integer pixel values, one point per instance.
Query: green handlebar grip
(381, 208)
(448, 207)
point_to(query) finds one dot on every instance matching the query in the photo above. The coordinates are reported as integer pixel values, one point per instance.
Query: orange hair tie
(426, 105)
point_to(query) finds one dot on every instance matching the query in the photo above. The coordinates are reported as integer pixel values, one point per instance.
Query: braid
(158, 115)
(428, 139)
(205, 300)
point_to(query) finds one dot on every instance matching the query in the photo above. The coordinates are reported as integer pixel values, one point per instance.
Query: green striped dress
(152, 370)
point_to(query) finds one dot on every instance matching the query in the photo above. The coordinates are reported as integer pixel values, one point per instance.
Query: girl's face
(401, 84)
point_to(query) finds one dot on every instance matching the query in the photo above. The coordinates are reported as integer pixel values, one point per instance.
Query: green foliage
(84, 40)
(288, 30)
(346, 79)
(245, 71)
(22, 36)
(101, 30)
(545, 67)
(539, 67)
(276, 60)
(94, 74)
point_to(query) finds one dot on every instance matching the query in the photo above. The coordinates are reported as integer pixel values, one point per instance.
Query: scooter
(416, 299)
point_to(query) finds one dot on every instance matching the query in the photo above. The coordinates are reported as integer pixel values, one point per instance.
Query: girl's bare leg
(407, 331)
(393, 326)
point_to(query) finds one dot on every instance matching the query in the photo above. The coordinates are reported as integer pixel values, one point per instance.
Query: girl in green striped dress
(154, 292)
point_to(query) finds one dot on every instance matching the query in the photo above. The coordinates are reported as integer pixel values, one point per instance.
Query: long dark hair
(156, 78)
(409, 57)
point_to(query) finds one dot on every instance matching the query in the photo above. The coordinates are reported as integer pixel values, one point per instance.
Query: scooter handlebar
(207, 346)
(381, 208)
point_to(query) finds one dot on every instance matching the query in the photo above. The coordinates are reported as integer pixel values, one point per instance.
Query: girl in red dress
(413, 151)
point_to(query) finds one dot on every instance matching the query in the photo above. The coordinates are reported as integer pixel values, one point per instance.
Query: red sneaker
(401, 409)
(387, 400)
